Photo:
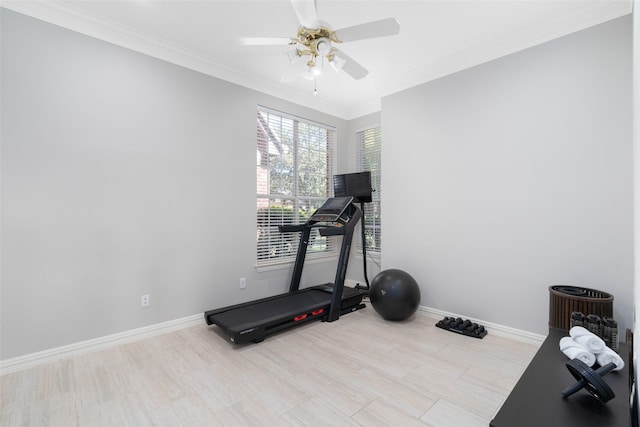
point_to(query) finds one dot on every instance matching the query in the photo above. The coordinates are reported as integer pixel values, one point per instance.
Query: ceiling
(437, 37)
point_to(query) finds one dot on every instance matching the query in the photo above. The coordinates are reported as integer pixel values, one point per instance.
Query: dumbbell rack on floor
(462, 326)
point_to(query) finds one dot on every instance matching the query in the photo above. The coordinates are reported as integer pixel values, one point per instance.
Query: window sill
(374, 255)
(289, 264)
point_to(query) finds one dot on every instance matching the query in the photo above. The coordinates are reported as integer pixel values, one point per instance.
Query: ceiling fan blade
(351, 67)
(266, 41)
(306, 11)
(384, 27)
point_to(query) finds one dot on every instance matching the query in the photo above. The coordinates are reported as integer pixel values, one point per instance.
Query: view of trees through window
(294, 177)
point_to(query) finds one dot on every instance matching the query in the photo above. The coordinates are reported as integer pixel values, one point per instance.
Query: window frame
(299, 141)
(376, 182)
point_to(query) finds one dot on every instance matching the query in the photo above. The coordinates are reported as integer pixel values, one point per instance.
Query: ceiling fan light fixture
(314, 41)
(336, 63)
(311, 71)
(293, 56)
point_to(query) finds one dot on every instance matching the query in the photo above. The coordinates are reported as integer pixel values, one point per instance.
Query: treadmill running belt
(271, 311)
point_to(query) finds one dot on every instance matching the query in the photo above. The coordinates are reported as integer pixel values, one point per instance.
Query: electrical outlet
(243, 282)
(144, 301)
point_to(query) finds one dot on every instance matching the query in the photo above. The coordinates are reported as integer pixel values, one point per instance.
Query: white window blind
(294, 161)
(369, 143)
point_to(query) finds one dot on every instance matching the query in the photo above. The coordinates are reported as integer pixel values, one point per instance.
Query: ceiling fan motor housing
(323, 46)
(317, 41)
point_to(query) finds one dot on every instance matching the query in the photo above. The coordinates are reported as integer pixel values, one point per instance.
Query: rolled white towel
(587, 339)
(573, 350)
(607, 356)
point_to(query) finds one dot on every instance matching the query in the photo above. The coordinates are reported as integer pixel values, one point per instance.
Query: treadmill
(253, 321)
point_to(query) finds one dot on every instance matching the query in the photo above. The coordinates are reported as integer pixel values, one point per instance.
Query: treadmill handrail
(346, 222)
(344, 226)
(290, 228)
(332, 231)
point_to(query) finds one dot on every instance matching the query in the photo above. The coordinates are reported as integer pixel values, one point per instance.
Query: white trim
(376, 256)
(296, 118)
(283, 265)
(493, 328)
(65, 15)
(54, 354)
(580, 18)
(372, 126)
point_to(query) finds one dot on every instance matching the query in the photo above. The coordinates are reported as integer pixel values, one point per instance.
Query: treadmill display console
(332, 209)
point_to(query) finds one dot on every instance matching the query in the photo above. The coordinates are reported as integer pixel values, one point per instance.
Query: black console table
(537, 401)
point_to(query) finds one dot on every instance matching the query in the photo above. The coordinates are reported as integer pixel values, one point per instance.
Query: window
(294, 160)
(368, 143)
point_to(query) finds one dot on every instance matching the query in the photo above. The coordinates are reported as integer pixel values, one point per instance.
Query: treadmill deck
(253, 320)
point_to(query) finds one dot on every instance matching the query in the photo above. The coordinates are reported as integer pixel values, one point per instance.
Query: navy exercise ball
(394, 294)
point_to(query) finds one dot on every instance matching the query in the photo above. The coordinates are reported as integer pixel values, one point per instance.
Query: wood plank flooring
(359, 371)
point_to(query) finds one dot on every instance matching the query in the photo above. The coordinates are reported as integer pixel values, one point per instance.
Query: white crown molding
(588, 14)
(67, 17)
(579, 19)
(360, 110)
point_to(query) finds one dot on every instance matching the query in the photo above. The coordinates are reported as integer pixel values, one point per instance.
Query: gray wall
(514, 175)
(122, 175)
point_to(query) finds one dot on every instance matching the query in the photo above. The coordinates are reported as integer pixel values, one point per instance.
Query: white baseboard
(499, 330)
(493, 328)
(35, 359)
(47, 356)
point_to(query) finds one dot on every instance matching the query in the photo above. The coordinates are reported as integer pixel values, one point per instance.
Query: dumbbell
(464, 325)
(478, 329)
(590, 379)
(452, 322)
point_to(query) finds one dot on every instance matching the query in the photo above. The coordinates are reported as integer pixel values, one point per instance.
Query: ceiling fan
(315, 41)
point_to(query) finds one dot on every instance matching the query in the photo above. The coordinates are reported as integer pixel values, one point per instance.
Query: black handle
(331, 231)
(290, 228)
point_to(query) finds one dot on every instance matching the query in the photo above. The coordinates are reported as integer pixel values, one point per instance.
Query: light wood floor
(358, 371)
